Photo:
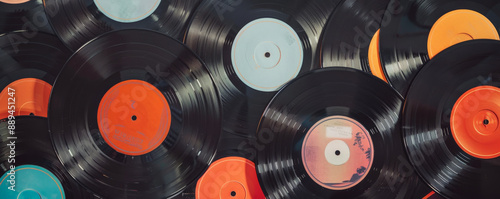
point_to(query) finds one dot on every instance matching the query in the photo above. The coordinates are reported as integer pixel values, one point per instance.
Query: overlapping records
(29, 65)
(29, 165)
(252, 48)
(27, 15)
(230, 177)
(205, 99)
(423, 28)
(78, 21)
(351, 36)
(334, 132)
(451, 121)
(135, 114)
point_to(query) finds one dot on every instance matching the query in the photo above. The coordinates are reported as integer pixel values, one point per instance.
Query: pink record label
(14, 1)
(337, 152)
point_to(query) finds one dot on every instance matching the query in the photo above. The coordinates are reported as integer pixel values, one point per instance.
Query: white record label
(266, 54)
(127, 11)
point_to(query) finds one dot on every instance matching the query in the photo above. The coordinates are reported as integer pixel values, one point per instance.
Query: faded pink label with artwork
(337, 152)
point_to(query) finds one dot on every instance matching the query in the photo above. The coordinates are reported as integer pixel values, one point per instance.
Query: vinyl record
(79, 21)
(334, 133)
(26, 15)
(29, 65)
(29, 165)
(451, 121)
(230, 177)
(351, 36)
(135, 114)
(423, 28)
(252, 48)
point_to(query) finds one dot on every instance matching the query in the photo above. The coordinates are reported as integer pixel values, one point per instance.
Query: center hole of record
(267, 54)
(134, 118)
(486, 121)
(337, 152)
(233, 193)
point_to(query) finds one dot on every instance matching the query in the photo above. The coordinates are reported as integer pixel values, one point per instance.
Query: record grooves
(116, 99)
(339, 98)
(78, 21)
(30, 64)
(39, 57)
(26, 15)
(230, 99)
(425, 27)
(34, 147)
(449, 161)
(347, 35)
(284, 35)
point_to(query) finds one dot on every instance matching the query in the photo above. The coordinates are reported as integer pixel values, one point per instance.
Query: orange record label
(28, 96)
(374, 57)
(474, 122)
(430, 194)
(14, 1)
(458, 26)
(232, 178)
(337, 152)
(134, 117)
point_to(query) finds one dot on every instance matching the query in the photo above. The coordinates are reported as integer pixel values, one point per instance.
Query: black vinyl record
(23, 15)
(349, 32)
(22, 56)
(439, 107)
(404, 43)
(26, 62)
(152, 138)
(354, 110)
(30, 144)
(281, 36)
(79, 21)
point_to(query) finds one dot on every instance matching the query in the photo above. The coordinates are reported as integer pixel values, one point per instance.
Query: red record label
(134, 117)
(28, 96)
(230, 177)
(474, 122)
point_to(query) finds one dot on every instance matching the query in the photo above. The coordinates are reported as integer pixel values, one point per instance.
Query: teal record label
(30, 182)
